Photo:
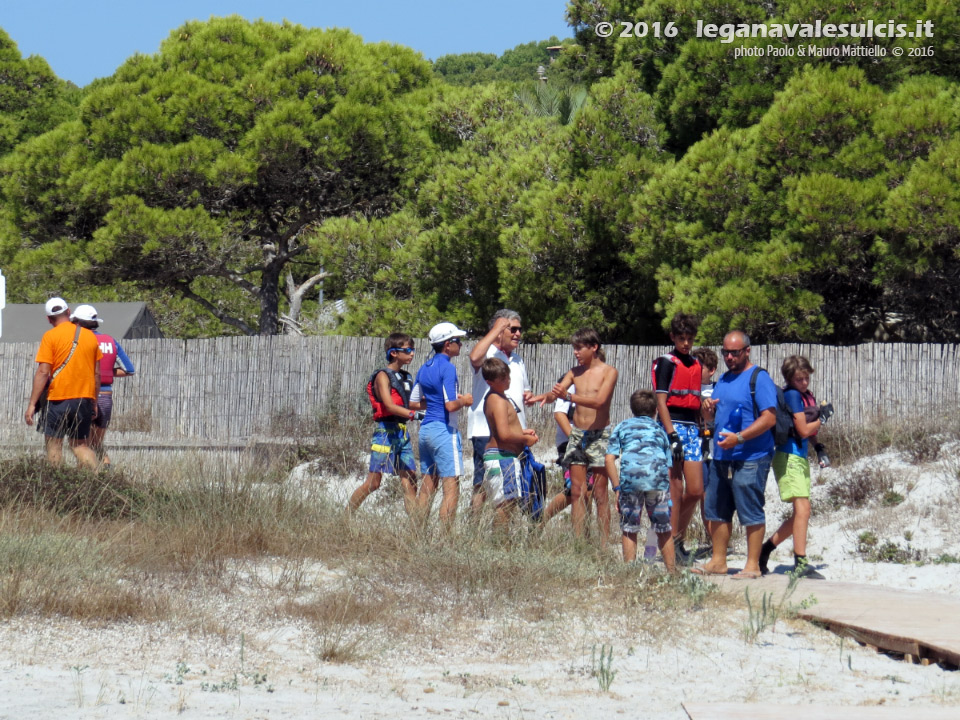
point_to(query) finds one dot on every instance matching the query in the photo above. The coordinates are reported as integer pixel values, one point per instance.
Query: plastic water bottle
(650, 549)
(734, 422)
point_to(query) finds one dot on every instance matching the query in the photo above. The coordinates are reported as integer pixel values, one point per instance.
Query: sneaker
(682, 554)
(764, 561)
(806, 571)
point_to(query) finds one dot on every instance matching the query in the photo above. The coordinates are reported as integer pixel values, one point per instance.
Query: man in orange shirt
(74, 376)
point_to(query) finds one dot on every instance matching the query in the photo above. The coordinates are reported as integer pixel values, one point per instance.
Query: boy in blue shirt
(643, 481)
(792, 469)
(441, 450)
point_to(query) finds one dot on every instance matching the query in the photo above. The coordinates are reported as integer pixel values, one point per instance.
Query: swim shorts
(633, 503)
(587, 447)
(501, 477)
(391, 450)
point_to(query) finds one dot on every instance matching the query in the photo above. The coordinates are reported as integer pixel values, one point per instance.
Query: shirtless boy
(587, 447)
(501, 457)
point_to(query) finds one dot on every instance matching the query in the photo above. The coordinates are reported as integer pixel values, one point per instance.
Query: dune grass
(92, 547)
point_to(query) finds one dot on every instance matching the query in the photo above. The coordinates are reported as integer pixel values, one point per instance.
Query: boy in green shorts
(792, 469)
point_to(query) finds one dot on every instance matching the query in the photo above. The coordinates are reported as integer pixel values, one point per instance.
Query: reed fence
(241, 389)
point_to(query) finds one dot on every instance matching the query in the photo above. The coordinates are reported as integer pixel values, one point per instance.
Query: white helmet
(86, 313)
(444, 331)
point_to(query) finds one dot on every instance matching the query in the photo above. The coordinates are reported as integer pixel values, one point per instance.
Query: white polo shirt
(562, 406)
(476, 420)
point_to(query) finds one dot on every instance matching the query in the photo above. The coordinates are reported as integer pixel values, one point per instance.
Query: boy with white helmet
(441, 450)
(113, 364)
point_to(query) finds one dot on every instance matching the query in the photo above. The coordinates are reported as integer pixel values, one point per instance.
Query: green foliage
(796, 198)
(212, 157)
(32, 99)
(552, 100)
(756, 228)
(517, 65)
(602, 666)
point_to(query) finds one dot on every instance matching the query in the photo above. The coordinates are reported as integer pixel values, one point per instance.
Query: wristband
(616, 488)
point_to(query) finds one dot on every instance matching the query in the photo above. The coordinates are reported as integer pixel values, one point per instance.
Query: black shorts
(69, 418)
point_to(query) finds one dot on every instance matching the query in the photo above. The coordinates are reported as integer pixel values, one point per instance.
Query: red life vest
(401, 384)
(108, 346)
(685, 383)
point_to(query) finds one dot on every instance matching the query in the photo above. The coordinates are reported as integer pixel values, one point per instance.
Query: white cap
(444, 331)
(55, 306)
(87, 313)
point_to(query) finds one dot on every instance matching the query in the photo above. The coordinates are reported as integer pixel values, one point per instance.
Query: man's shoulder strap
(76, 339)
(753, 389)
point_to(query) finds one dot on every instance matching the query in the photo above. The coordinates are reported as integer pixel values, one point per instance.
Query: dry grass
(859, 488)
(94, 558)
(66, 489)
(920, 438)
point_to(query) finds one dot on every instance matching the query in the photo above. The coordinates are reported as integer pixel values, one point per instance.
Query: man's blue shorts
(441, 454)
(736, 485)
(391, 450)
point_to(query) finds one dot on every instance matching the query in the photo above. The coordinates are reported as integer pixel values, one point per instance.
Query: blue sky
(86, 40)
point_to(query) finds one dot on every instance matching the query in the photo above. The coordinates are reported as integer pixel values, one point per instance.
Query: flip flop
(702, 570)
(746, 575)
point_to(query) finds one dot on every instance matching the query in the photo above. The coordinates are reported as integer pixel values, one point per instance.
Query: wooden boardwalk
(758, 711)
(923, 627)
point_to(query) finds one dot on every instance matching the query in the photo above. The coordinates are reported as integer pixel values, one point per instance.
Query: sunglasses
(404, 350)
(515, 330)
(458, 341)
(735, 353)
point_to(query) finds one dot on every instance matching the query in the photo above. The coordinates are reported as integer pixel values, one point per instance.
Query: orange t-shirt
(77, 379)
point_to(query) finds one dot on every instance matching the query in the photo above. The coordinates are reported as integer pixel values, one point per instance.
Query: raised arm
(479, 352)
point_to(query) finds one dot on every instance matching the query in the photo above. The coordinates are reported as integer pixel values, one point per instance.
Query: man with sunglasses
(501, 342)
(738, 472)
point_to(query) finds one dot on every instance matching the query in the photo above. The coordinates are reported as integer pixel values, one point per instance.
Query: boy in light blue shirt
(643, 481)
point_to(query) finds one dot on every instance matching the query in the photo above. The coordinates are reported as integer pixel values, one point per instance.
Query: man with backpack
(745, 402)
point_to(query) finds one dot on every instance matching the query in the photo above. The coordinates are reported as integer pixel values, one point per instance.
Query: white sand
(501, 667)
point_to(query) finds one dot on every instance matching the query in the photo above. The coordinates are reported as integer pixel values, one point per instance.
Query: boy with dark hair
(677, 377)
(792, 469)
(501, 457)
(643, 481)
(587, 446)
(391, 451)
